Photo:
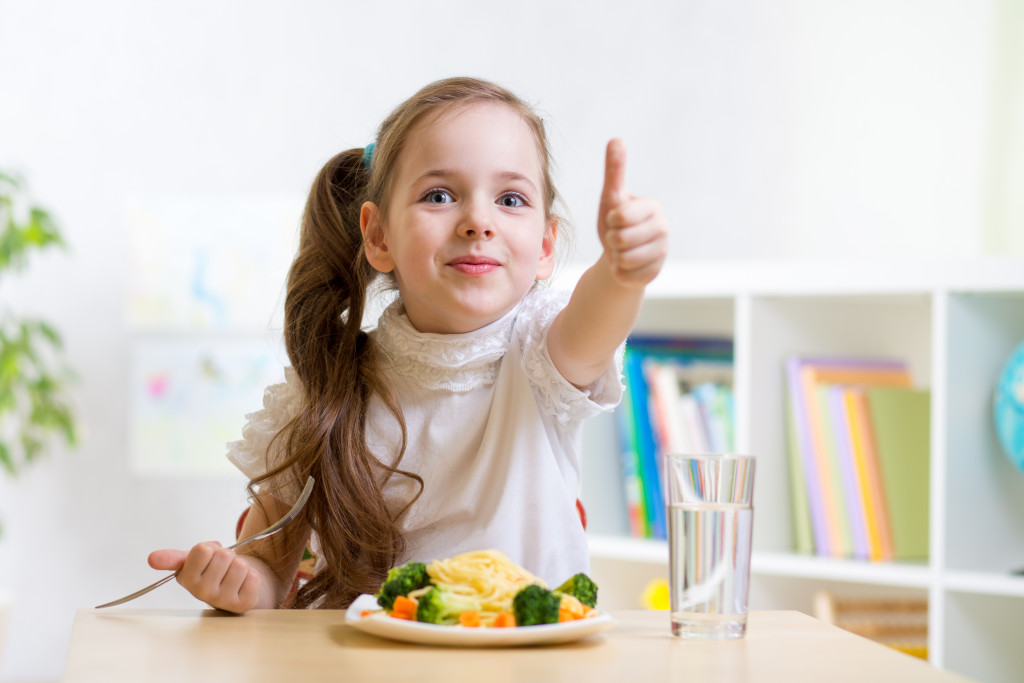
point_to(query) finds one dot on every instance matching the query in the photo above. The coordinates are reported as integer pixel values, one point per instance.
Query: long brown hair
(337, 362)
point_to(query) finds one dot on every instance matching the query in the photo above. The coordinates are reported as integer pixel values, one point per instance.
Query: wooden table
(280, 646)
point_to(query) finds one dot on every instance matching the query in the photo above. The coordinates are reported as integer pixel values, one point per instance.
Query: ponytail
(337, 364)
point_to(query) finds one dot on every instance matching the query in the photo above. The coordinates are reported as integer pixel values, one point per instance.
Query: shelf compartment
(846, 325)
(981, 637)
(984, 497)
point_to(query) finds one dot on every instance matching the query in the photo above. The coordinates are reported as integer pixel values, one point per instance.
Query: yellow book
(866, 462)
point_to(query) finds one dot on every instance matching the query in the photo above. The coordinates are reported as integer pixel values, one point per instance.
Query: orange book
(879, 531)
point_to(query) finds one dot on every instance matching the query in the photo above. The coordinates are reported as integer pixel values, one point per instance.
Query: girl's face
(466, 233)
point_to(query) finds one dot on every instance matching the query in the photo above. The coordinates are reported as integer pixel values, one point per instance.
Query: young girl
(455, 424)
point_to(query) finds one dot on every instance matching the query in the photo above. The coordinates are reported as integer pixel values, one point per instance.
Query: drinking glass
(710, 522)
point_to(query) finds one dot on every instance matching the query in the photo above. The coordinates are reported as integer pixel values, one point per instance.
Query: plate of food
(478, 599)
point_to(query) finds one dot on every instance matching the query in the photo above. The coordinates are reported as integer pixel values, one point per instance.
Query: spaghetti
(485, 581)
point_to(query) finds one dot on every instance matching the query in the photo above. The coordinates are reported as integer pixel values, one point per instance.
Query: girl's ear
(546, 266)
(374, 241)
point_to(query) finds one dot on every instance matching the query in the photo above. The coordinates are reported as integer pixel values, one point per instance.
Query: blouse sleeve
(555, 394)
(254, 454)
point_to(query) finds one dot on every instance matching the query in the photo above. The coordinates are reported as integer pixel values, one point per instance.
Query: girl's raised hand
(214, 574)
(632, 229)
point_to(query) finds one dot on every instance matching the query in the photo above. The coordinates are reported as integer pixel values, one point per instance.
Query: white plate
(380, 624)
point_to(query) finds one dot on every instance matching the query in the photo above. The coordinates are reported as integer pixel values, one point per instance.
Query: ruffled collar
(453, 362)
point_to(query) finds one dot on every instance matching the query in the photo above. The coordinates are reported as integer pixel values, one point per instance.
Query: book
(714, 400)
(796, 428)
(862, 440)
(901, 419)
(658, 415)
(824, 432)
(629, 460)
(809, 516)
(833, 398)
(825, 494)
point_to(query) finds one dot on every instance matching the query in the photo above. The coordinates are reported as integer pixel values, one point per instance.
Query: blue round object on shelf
(1009, 407)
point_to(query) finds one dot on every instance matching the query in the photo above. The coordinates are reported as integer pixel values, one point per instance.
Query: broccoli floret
(536, 605)
(439, 607)
(401, 581)
(582, 588)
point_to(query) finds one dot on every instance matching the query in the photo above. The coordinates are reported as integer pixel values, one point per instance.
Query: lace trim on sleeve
(281, 402)
(556, 395)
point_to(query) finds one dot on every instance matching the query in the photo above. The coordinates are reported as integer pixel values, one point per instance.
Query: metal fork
(269, 531)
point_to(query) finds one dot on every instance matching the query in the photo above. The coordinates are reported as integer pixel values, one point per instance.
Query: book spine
(808, 462)
(862, 435)
(630, 462)
(852, 488)
(654, 502)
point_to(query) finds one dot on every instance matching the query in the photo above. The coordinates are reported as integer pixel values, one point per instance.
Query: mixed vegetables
(407, 593)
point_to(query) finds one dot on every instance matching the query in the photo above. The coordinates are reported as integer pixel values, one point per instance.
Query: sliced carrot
(399, 615)
(589, 612)
(566, 615)
(406, 607)
(505, 620)
(366, 613)
(470, 618)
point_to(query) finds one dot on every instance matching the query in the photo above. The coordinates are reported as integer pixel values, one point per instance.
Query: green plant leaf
(50, 333)
(33, 406)
(6, 460)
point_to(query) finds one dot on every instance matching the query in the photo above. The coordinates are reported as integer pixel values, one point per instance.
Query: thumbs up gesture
(631, 229)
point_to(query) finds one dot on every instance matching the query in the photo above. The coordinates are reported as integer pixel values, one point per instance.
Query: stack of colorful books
(859, 450)
(678, 400)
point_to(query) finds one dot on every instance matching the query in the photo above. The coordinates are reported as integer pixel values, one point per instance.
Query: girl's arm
(258, 577)
(605, 304)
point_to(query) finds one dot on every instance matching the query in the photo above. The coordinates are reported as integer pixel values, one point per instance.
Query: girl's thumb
(167, 559)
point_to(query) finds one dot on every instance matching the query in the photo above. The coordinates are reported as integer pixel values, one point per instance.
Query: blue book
(646, 445)
(641, 429)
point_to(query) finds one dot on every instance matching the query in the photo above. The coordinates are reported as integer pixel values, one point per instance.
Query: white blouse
(493, 429)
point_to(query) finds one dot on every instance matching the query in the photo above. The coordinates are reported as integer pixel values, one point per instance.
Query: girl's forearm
(599, 316)
(273, 587)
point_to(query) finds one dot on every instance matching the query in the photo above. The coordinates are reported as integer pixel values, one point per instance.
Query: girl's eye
(438, 197)
(512, 201)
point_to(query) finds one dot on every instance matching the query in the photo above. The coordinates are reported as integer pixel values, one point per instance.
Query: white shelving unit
(955, 323)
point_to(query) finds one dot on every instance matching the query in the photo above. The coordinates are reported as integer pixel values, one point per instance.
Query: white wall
(768, 130)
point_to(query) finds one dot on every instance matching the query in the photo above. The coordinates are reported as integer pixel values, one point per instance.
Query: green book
(802, 535)
(901, 422)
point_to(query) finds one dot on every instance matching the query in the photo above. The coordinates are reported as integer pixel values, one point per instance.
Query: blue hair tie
(368, 155)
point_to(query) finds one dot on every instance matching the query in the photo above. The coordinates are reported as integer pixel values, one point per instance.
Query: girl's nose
(475, 223)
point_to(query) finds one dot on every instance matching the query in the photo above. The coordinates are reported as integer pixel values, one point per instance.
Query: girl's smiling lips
(474, 265)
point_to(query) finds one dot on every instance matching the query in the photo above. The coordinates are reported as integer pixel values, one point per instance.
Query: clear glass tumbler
(710, 524)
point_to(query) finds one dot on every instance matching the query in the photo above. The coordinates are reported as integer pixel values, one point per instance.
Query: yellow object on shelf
(655, 595)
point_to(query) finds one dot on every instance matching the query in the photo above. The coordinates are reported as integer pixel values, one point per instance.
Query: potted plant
(34, 410)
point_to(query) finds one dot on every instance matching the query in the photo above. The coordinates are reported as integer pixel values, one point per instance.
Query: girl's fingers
(233, 577)
(217, 570)
(632, 211)
(195, 564)
(638, 258)
(249, 593)
(628, 237)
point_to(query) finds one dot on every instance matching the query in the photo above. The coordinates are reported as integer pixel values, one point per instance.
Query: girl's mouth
(474, 265)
